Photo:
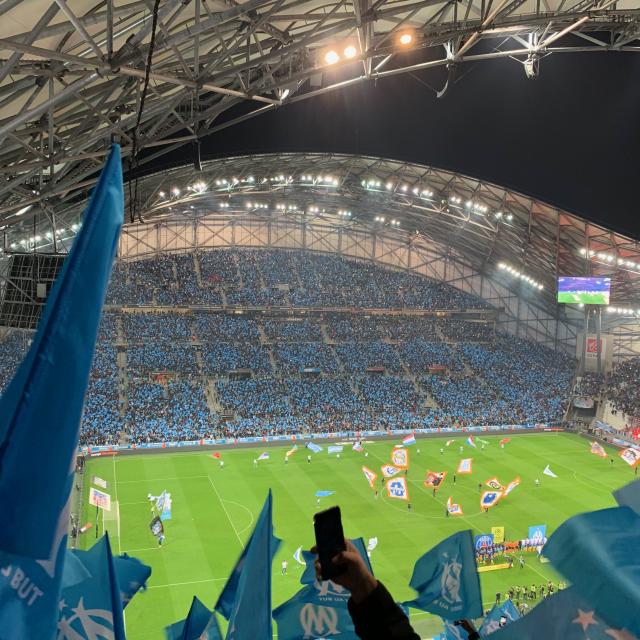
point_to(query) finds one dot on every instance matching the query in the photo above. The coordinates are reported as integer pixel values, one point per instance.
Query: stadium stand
(623, 390)
(177, 373)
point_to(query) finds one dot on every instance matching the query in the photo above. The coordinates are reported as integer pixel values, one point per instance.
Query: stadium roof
(492, 230)
(73, 71)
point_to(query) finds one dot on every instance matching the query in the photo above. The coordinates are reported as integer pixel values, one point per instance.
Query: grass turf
(214, 510)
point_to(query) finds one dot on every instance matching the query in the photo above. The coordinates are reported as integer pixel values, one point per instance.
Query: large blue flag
(41, 408)
(93, 608)
(200, 624)
(500, 616)
(309, 574)
(40, 415)
(246, 598)
(447, 581)
(563, 616)
(318, 610)
(132, 576)
(600, 553)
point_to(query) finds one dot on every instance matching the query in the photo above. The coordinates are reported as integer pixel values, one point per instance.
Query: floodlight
(350, 52)
(331, 57)
(405, 39)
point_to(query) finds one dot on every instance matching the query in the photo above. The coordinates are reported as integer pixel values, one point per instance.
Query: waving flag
(464, 465)
(318, 610)
(449, 442)
(499, 617)
(163, 505)
(309, 574)
(504, 441)
(547, 472)
(631, 456)
(409, 440)
(397, 488)
(629, 496)
(564, 615)
(315, 448)
(454, 509)
(357, 446)
(482, 441)
(200, 624)
(599, 552)
(132, 576)
(291, 451)
(400, 458)
(324, 493)
(388, 470)
(370, 476)
(494, 484)
(447, 581)
(93, 607)
(335, 449)
(217, 455)
(41, 409)
(40, 414)
(471, 442)
(263, 456)
(246, 598)
(435, 479)
(510, 487)
(490, 499)
(598, 449)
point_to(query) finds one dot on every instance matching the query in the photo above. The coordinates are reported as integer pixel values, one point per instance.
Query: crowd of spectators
(13, 346)
(375, 371)
(623, 387)
(590, 384)
(261, 277)
(174, 411)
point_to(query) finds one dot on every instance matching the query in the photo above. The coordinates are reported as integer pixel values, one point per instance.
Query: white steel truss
(72, 71)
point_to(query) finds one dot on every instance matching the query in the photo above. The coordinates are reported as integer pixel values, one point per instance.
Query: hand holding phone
(329, 541)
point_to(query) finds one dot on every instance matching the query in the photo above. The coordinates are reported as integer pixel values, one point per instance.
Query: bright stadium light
(405, 39)
(331, 57)
(350, 51)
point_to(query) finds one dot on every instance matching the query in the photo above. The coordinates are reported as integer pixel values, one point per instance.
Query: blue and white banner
(537, 534)
(483, 541)
(315, 448)
(163, 505)
(500, 616)
(446, 580)
(335, 449)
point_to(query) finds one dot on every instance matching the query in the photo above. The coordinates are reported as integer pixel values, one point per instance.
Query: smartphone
(329, 541)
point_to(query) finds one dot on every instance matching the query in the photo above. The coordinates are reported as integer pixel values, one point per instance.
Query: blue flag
(316, 448)
(629, 496)
(500, 616)
(324, 493)
(447, 581)
(200, 624)
(317, 611)
(132, 576)
(41, 408)
(600, 553)
(309, 573)
(93, 608)
(40, 415)
(564, 616)
(246, 598)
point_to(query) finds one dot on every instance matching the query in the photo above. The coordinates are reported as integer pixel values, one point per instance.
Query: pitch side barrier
(303, 438)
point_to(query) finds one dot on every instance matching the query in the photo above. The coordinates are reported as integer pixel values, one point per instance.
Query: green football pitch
(214, 510)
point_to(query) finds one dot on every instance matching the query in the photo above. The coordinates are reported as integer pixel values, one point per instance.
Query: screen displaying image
(584, 290)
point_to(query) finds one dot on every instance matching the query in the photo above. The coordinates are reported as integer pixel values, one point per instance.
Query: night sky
(570, 137)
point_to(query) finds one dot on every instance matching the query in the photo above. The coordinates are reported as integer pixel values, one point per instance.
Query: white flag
(548, 472)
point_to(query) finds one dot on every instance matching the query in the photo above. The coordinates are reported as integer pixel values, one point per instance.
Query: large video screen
(573, 290)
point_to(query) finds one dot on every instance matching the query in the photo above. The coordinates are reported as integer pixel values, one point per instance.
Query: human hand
(357, 578)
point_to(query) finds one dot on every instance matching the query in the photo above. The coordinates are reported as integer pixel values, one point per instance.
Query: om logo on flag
(397, 488)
